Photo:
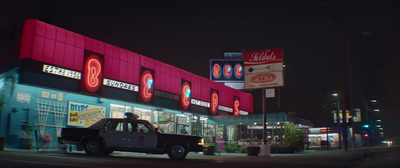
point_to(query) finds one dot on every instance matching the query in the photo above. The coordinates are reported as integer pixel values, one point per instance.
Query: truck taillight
(201, 142)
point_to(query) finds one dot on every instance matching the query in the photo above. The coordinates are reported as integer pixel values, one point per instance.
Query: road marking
(52, 163)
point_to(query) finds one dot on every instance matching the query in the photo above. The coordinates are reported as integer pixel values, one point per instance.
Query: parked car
(130, 134)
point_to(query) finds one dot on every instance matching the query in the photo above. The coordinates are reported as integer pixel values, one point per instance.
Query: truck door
(140, 135)
(113, 133)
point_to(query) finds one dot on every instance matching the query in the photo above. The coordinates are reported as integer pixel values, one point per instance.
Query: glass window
(117, 111)
(115, 125)
(144, 114)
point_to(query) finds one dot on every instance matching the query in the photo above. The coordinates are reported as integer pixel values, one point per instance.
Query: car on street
(130, 134)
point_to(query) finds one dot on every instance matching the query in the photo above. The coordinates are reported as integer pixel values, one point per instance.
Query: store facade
(54, 78)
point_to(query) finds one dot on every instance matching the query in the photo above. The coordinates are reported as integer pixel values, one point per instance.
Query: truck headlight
(201, 141)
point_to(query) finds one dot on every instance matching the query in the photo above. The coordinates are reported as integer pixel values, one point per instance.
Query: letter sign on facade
(214, 102)
(236, 104)
(92, 76)
(186, 89)
(146, 86)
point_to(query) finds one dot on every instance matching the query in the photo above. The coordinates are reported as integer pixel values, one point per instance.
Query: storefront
(317, 137)
(238, 128)
(54, 78)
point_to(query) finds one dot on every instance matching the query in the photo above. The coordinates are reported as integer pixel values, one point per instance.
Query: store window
(117, 111)
(166, 122)
(183, 124)
(144, 114)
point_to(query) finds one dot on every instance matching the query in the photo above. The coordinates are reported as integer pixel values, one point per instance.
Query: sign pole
(264, 118)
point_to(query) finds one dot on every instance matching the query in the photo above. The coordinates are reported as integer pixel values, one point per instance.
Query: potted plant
(247, 141)
(2, 142)
(253, 149)
(60, 145)
(230, 148)
(2, 139)
(241, 142)
(44, 141)
(209, 147)
(26, 140)
(241, 149)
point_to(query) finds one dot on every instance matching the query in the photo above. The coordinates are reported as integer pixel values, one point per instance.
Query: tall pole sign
(263, 69)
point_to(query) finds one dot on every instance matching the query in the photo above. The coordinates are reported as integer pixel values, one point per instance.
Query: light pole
(351, 103)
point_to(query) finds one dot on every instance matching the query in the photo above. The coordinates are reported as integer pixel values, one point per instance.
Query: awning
(258, 118)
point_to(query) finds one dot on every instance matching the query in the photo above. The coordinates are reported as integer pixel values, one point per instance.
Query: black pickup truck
(130, 134)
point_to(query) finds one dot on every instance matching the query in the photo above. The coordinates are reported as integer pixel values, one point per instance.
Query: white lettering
(121, 85)
(61, 72)
(262, 56)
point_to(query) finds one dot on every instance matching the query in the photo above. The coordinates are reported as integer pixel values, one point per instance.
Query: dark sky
(187, 34)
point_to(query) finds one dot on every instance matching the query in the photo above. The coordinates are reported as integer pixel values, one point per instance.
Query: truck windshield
(98, 124)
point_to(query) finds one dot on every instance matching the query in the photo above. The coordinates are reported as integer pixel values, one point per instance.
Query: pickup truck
(130, 134)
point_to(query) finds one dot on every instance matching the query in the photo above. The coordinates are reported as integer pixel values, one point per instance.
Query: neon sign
(146, 85)
(236, 104)
(227, 70)
(92, 73)
(216, 71)
(214, 102)
(185, 94)
(238, 70)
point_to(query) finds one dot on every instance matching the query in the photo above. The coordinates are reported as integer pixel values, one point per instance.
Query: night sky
(187, 34)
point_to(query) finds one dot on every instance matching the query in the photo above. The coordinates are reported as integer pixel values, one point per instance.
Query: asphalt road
(335, 158)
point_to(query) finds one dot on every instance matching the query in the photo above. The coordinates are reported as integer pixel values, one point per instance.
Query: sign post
(263, 68)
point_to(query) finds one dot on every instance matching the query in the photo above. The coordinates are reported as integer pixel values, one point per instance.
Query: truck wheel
(177, 151)
(93, 147)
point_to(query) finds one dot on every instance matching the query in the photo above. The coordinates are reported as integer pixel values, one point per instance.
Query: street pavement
(319, 157)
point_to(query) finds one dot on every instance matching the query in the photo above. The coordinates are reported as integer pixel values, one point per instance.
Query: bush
(293, 137)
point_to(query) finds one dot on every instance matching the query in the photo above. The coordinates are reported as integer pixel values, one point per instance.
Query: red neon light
(227, 70)
(216, 70)
(93, 73)
(184, 98)
(214, 102)
(146, 91)
(236, 107)
(238, 70)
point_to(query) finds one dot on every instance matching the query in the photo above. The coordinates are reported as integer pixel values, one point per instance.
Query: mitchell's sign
(61, 71)
(120, 85)
(200, 103)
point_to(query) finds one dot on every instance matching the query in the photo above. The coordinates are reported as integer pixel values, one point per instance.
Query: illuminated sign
(226, 70)
(80, 114)
(166, 95)
(216, 71)
(238, 70)
(146, 85)
(185, 94)
(214, 102)
(200, 103)
(120, 85)
(224, 108)
(92, 73)
(241, 112)
(61, 72)
(236, 104)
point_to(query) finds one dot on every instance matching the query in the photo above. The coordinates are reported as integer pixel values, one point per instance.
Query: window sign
(80, 114)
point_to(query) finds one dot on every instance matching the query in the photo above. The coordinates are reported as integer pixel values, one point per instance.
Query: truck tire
(177, 151)
(93, 147)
